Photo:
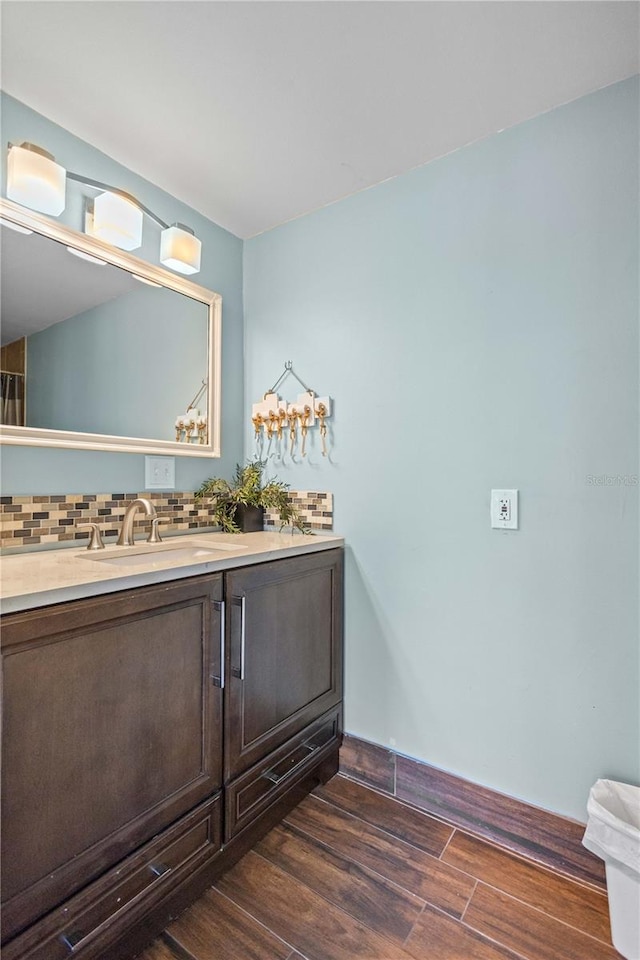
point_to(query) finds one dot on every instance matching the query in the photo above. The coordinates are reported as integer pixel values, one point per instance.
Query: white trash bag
(613, 834)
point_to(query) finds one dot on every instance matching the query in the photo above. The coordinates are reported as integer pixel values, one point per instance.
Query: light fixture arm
(98, 185)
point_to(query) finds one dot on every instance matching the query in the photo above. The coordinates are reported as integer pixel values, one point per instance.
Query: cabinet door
(285, 658)
(111, 731)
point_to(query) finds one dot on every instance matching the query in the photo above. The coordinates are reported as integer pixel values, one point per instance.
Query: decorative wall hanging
(191, 427)
(280, 427)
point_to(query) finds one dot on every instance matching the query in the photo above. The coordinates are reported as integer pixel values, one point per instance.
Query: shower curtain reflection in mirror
(12, 403)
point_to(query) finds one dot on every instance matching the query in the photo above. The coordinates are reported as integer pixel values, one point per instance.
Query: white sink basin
(162, 554)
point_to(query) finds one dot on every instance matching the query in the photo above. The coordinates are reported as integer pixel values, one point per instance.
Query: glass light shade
(150, 283)
(87, 256)
(117, 220)
(15, 226)
(35, 180)
(179, 249)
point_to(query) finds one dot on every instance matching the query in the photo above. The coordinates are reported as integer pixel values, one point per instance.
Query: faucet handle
(95, 538)
(154, 536)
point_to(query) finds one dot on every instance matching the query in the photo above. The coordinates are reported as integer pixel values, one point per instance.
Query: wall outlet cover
(504, 509)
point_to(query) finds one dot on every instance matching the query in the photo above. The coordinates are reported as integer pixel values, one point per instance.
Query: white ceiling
(40, 284)
(258, 112)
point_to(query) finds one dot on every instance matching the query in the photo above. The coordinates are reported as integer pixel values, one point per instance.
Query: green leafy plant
(249, 489)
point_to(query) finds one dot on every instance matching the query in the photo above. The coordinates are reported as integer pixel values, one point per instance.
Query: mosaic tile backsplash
(50, 519)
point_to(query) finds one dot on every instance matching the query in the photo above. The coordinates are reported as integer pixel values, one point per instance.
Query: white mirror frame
(34, 436)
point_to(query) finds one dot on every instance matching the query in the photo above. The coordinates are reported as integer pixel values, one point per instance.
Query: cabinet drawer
(85, 924)
(253, 791)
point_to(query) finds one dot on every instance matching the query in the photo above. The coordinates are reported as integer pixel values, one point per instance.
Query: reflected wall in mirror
(114, 352)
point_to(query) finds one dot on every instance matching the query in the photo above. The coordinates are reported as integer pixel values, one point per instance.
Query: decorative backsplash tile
(42, 519)
(316, 509)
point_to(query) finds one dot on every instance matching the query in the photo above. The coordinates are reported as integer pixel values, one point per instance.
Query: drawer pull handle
(278, 778)
(159, 869)
(218, 681)
(71, 940)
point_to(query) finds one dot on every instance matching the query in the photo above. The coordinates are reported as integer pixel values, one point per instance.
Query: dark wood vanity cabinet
(125, 775)
(112, 730)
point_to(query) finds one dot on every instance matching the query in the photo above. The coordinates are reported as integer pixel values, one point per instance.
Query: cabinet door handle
(218, 681)
(241, 602)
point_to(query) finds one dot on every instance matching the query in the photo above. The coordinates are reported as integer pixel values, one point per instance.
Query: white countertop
(37, 579)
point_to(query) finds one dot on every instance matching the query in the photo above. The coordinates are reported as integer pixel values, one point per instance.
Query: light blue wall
(476, 321)
(30, 470)
(136, 337)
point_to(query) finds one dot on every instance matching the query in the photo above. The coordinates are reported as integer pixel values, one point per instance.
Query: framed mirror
(101, 350)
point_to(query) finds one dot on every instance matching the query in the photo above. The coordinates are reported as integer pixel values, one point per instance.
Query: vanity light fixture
(35, 180)
(117, 219)
(180, 249)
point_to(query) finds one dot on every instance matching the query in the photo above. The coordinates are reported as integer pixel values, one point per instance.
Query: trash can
(613, 833)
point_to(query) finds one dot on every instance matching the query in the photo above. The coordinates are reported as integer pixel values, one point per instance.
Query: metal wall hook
(197, 396)
(288, 369)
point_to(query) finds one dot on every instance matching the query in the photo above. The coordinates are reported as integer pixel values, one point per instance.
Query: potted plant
(239, 504)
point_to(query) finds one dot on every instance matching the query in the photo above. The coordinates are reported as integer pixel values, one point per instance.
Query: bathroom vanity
(157, 721)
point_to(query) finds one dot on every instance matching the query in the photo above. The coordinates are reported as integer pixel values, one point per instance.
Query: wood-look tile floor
(352, 874)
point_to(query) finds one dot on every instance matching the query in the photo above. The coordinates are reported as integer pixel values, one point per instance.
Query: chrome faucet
(126, 534)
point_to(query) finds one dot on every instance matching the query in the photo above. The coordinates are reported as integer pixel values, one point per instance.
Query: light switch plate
(159, 473)
(504, 509)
